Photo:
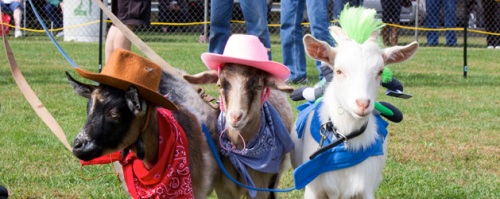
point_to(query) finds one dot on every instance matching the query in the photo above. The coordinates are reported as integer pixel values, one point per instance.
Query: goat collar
(337, 157)
(328, 128)
(145, 122)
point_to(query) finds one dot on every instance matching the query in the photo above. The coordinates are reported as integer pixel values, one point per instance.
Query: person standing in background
(434, 8)
(291, 34)
(132, 13)
(173, 11)
(17, 8)
(391, 14)
(492, 22)
(255, 15)
(54, 10)
(338, 5)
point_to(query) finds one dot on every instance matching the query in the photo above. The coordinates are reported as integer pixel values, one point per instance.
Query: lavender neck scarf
(263, 152)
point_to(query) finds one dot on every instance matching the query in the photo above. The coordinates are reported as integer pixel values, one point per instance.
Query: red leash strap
(31, 97)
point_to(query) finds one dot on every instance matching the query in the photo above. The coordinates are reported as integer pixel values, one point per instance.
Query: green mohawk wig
(359, 23)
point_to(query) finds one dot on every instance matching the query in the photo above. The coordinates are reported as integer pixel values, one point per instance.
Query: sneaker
(18, 33)
(490, 47)
(497, 47)
(60, 34)
(302, 80)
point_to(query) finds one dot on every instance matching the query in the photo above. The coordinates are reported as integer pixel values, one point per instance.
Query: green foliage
(446, 147)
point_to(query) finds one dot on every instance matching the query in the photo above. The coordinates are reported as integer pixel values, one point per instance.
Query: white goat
(348, 103)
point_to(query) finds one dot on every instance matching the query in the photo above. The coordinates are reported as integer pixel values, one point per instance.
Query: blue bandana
(263, 152)
(335, 158)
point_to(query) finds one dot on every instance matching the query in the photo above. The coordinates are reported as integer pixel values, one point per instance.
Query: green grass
(446, 147)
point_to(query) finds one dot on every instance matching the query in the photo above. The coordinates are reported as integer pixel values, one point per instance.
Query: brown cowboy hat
(124, 69)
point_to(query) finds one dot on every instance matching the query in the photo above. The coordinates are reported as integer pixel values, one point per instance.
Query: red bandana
(170, 177)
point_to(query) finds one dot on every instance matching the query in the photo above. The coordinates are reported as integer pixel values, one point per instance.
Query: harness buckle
(322, 132)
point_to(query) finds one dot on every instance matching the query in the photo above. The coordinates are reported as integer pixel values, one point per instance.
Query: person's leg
(394, 36)
(17, 13)
(386, 18)
(291, 37)
(317, 10)
(394, 18)
(450, 21)
(432, 21)
(116, 39)
(338, 5)
(54, 15)
(163, 13)
(255, 14)
(496, 24)
(220, 25)
(489, 6)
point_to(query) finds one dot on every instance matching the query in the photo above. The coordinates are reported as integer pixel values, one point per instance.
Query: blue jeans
(432, 20)
(338, 6)
(55, 15)
(11, 6)
(255, 14)
(291, 32)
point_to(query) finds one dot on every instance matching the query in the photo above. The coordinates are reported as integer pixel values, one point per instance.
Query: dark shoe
(302, 80)
(3, 192)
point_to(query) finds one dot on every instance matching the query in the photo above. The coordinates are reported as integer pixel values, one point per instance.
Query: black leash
(328, 127)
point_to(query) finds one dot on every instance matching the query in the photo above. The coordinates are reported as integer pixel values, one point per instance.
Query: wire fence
(431, 22)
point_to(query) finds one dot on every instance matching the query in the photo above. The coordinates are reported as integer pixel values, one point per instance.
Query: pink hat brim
(213, 61)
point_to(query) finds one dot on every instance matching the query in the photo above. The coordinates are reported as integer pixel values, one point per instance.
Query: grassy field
(446, 147)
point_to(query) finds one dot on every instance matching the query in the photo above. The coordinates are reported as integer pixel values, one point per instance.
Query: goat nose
(79, 145)
(363, 103)
(236, 116)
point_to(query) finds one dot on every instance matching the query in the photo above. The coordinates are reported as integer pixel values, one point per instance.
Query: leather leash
(136, 40)
(38, 106)
(152, 55)
(31, 97)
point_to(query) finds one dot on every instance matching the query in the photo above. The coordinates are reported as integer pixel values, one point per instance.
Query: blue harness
(335, 158)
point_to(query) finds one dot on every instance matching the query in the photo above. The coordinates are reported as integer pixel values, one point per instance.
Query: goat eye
(113, 114)
(380, 72)
(338, 72)
(260, 87)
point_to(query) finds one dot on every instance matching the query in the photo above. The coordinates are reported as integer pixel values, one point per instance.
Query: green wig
(359, 23)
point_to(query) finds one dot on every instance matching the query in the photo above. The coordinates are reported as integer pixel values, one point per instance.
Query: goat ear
(82, 89)
(374, 36)
(318, 50)
(338, 34)
(137, 105)
(398, 54)
(278, 84)
(206, 77)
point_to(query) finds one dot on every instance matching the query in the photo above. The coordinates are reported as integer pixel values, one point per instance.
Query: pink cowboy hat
(245, 50)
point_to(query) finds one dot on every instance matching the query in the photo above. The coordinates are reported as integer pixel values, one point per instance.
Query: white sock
(308, 94)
